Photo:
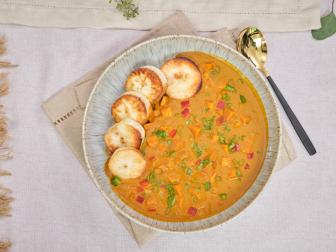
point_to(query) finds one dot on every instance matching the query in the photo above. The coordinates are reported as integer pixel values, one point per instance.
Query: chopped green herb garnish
(170, 153)
(221, 138)
(208, 123)
(203, 164)
(188, 122)
(207, 186)
(161, 134)
(152, 177)
(232, 143)
(127, 7)
(227, 128)
(223, 196)
(197, 150)
(238, 173)
(169, 142)
(170, 188)
(231, 146)
(171, 195)
(226, 97)
(242, 99)
(230, 87)
(171, 200)
(115, 181)
(242, 137)
(189, 171)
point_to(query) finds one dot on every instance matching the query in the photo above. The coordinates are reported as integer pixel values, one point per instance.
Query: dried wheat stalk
(5, 200)
(6, 64)
(5, 173)
(4, 245)
(2, 45)
(5, 152)
(3, 84)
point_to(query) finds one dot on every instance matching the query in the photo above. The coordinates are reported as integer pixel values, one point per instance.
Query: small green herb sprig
(127, 7)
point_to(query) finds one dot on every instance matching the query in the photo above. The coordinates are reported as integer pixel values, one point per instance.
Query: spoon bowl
(252, 44)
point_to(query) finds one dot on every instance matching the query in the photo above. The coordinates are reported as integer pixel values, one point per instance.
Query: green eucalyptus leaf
(328, 27)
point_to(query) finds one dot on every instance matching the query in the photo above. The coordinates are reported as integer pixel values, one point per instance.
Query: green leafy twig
(127, 7)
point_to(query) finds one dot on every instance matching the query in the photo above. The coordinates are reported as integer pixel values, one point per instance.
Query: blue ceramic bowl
(110, 86)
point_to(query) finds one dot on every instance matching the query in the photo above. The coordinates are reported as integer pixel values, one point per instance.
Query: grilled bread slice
(132, 105)
(126, 133)
(148, 80)
(127, 163)
(183, 76)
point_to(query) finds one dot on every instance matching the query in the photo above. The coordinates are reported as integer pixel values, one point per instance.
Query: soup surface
(202, 153)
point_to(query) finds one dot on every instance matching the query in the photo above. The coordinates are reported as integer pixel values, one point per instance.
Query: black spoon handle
(295, 122)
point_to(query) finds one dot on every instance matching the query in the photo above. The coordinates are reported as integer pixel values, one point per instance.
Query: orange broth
(202, 153)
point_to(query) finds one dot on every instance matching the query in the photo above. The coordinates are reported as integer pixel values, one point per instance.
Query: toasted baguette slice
(127, 163)
(183, 76)
(132, 105)
(135, 125)
(127, 133)
(149, 81)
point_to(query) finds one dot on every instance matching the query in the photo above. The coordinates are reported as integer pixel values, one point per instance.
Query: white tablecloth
(57, 207)
(269, 15)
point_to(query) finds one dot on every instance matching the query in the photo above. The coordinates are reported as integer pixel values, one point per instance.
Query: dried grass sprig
(5, 245)
(6, 64)
(5, 201)
(5, 152)
(3, 41)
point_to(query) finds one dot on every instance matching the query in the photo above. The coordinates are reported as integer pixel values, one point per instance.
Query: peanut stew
(202, 153)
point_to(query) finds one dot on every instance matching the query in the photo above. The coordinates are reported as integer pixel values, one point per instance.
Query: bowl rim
(260, 188)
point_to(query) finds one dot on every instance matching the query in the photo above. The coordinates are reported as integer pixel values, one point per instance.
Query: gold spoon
(252, 44)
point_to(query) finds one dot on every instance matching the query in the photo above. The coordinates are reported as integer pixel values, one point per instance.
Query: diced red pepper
(250, 155)
(198, 162)
(185, 103)
(144, 183)
(247, 166)
(151, 158)
(237, 147)
(220, 120)
(140, 189)
(192, 211)
(220, 105)
(185, 112)
(151, 210)
(140, 199)
(172, 133)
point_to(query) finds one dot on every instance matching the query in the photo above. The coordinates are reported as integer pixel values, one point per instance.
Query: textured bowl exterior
(110, 86)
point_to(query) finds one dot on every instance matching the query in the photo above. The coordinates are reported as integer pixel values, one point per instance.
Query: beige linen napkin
(268, 15)
(65, 109)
